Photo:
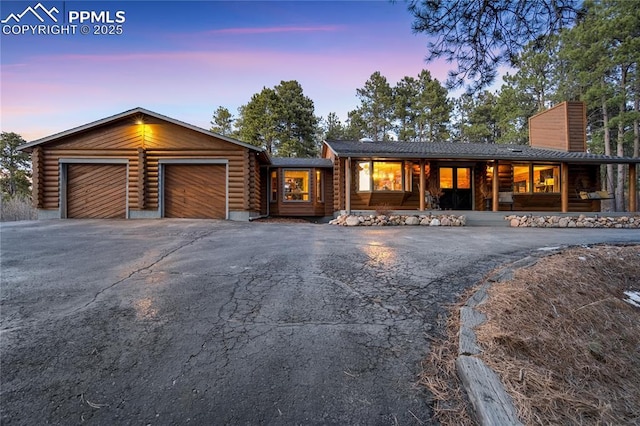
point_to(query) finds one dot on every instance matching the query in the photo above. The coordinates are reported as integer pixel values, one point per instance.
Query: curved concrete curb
(491, 403)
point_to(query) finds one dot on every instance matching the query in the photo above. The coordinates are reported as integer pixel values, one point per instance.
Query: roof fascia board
(331, 148)
(130, 113)
(570, 160)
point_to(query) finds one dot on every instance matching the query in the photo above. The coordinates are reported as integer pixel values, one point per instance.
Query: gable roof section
(133, 112)
(466, 151)
(300, 162)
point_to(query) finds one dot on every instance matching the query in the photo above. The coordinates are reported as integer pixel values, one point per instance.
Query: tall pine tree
(281, 120)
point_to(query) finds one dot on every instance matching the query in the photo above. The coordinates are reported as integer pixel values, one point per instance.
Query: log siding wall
(37, 187)
(255, 183)
(338, 183)
(313, 207)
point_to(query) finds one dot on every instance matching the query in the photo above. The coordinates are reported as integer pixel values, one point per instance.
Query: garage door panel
(96, 191)
(195, 191)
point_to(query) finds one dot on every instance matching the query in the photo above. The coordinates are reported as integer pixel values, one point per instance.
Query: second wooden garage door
(196, 191)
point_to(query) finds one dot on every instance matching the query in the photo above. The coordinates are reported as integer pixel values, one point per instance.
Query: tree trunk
(636, 124)
(636, 121)
(607, 147)
(620, 199)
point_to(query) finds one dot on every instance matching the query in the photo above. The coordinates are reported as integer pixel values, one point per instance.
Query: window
(387, 176)
(296, 185)
(521, 181)
(274, 186)
(536, 178)
(382, 176)
(364, 175)
(463, 178)
(455, 177)
(319, 187)
(546, 178)
(446, 177)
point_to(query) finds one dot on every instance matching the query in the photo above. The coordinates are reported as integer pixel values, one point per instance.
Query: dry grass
(563, 341)
(383, 209)
(16, 208)
(450, 404)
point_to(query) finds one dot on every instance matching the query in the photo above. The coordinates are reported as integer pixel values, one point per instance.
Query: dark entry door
(455, 184)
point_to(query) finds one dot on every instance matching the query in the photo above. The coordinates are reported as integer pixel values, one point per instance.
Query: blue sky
(184, 59)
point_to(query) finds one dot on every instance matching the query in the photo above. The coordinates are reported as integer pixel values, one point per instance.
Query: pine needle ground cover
(564, 337)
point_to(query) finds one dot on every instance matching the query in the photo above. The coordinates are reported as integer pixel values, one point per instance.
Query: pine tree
(222, 121)
(375, 114)
(281, 120)
(15, 166)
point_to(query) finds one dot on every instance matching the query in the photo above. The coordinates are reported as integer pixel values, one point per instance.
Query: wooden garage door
(96, 191)
(196, 191)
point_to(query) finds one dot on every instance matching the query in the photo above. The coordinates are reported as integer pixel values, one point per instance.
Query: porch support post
(422, 186)
(564, 187)
(633, 188)
(495, 187)
(347, 184)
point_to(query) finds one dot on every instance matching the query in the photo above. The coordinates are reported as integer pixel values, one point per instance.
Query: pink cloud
(70, 89)
(271, 30)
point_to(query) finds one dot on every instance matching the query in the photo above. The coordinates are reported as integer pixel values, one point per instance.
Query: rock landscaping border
(400, 220)
(581, 221)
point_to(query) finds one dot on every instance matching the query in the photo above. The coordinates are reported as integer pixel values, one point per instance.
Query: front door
(455, 184)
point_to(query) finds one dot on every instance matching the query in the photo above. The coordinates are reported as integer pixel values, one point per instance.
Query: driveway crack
(137, 271)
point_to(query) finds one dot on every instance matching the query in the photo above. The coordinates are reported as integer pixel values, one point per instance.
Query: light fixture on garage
(140, 122)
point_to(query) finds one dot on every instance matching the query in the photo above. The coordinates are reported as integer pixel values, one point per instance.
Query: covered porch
(563, 187)
(470, 177)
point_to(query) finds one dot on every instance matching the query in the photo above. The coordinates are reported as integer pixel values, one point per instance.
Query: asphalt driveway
(213, 322)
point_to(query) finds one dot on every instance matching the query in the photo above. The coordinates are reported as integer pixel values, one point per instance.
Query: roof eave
(330, 148)
(388, 155)
(131, 112)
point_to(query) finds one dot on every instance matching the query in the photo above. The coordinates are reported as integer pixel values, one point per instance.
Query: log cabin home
(141, 164)
(555, 173)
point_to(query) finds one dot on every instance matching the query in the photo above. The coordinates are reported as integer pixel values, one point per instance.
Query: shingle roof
(466, 151)
(300, 162)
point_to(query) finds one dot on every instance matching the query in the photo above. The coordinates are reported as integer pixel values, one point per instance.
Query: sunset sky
(184, 59)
